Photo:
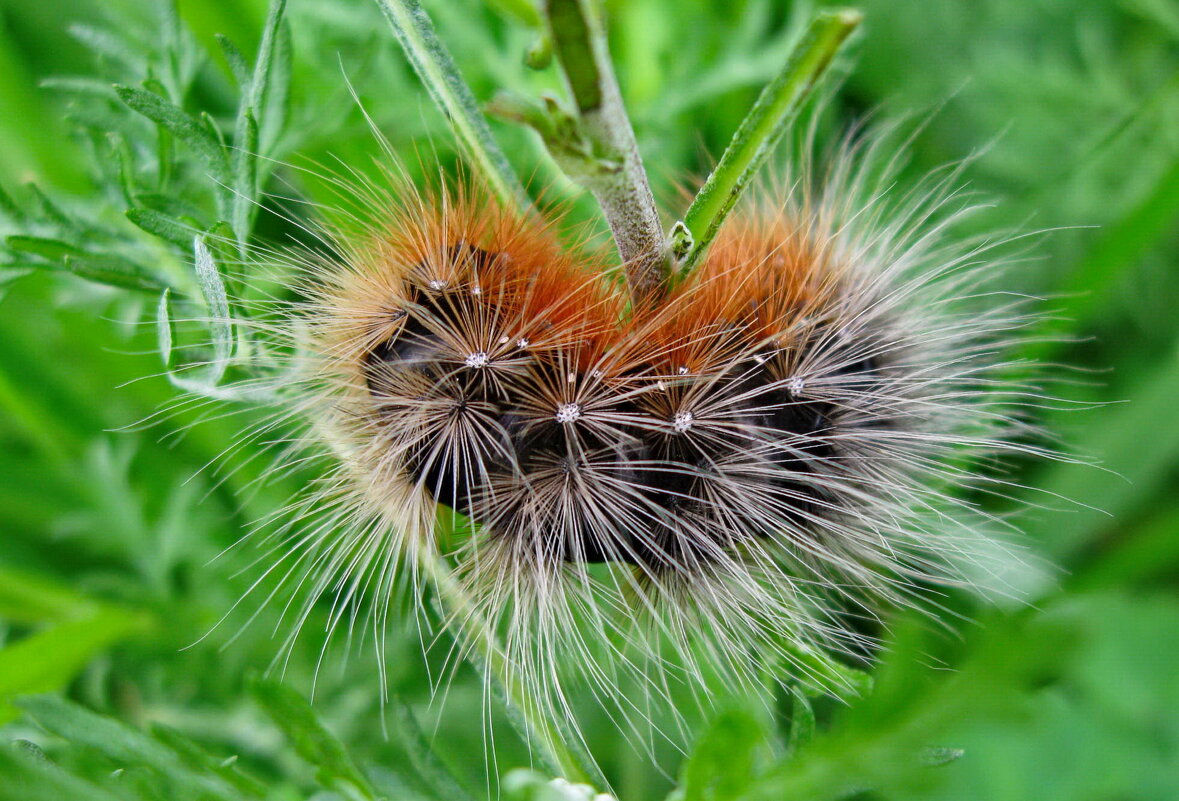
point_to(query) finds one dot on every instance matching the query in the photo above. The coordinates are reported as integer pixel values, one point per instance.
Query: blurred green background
(110, 519)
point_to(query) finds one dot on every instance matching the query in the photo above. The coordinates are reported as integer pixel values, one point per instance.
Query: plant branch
(610, 167)
(479, 632)
(759, 133)
(450, 93)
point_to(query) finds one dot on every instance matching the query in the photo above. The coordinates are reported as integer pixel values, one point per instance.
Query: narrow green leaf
(105, 44)
(113, 271)
(126, 165)
(161, 225)
(98, 267)
(217, 303)
(165, 334)
(201, 761)
(46, 248)
(277, 97)
(452, 96)
(802, 720)
(572, 42)
(9, 209)
(246, 136)
(423, 757)
(260, 82)
(206, 119)
(26, 598)
(48, 659)
(78, 86)
(725, 759)
(49, 209)
(314, 743)
(173, 207)
(245, 179)
(31, 777)
(180, 124)
(237, 62)
(121, 743)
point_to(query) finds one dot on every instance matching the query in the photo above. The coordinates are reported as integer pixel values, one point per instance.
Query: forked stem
(759, 134)
(609, 164)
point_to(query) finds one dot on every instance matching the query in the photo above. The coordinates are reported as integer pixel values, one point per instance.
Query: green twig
(759, 134)
(450, 93)
(479, 633)
(611, 168)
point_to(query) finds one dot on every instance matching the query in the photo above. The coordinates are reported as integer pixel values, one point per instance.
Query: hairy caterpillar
(736, 471)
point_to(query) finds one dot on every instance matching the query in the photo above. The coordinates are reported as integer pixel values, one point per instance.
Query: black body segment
(665, 448)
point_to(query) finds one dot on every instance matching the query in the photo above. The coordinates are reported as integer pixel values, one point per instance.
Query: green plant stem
(450, 93)
(614, 171)
(479, 633)
(760, 132)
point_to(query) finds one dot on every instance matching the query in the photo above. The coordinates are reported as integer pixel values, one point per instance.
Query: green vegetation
(120, 504)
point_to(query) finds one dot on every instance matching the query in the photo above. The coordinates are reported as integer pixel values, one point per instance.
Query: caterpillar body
(782, 443)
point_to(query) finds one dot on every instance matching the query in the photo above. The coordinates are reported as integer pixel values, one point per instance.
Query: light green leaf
(935, 756)
(165, 335)
(98, 267)
(246, 138)
(425, 761)
(52, 249)
(48, 659)
(201, 761)
(237, 62)
(27, 598)
(105, 43)
(165, 227)
(123, 744)
(217, 302)
(528, 785)
(260, 82)
(245, 178)
(725, 758)
(29, 776)
(191, 131)
(802, 720)
(310, 737)
(277, 97)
